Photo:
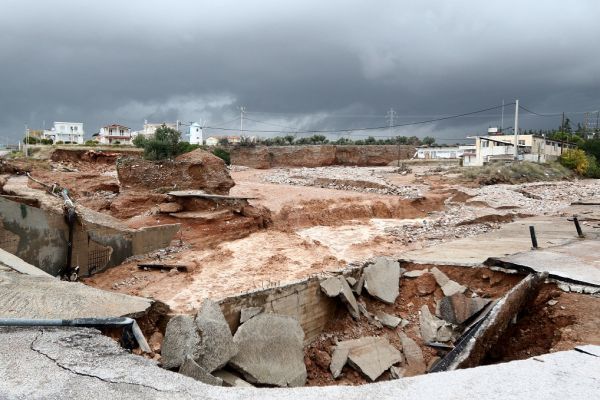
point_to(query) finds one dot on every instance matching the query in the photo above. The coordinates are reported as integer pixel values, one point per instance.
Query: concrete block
(181, 339)
(382, 279)
(216, 347)
(193, 370)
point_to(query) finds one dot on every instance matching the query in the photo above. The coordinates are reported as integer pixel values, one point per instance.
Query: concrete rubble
(382, 279)
(388, 320)
(270, 351)
(181, 339)
(190, 368)
(458, 308)
(217, 346)
(231, 380)
(415, 363)
(371, 356)
(449, 287)
(248, 312)
(432, 328)
(338, 286)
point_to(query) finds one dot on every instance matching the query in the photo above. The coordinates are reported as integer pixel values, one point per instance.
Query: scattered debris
(230, 380)
(338, 360)
(338, 286)
(387, 320)
(415, 273)
(432, 328)
(216, 347)
(164, 267)
(413, 355)
(181, 339)
(458, 308)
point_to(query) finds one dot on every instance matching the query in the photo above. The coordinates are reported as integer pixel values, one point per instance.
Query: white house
(150, 128)
(196, 133)
(446, 152)
(535, 148)
(71, 132)
(115, 134)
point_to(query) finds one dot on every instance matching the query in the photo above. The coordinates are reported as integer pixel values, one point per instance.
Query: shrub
(46, 141)
(222, 154)
(576, 160)
(90, 143)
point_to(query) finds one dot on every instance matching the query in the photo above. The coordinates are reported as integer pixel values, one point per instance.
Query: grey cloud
(111, 61)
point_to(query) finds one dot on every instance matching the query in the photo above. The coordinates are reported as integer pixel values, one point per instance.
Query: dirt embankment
(263, 157)
(88, 155)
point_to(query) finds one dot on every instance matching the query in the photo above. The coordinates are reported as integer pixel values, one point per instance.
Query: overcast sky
(302, 64)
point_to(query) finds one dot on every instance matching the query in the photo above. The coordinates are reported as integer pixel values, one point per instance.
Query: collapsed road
(282, 278)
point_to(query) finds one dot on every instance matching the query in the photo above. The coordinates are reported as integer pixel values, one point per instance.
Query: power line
(373, 127)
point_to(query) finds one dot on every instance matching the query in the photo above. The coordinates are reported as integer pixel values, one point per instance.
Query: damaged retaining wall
(304, 301)
(39, 236)
(264, 157)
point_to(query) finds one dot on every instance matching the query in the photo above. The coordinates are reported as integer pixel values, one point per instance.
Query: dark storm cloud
(304, 61)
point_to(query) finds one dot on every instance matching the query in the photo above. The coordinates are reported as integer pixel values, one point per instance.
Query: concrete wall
(39, 236)
(317, 156)
(303, 301)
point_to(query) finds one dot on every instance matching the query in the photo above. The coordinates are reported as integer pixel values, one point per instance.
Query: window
(521, 143)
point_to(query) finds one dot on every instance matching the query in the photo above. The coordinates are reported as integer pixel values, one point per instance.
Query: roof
(115, 126)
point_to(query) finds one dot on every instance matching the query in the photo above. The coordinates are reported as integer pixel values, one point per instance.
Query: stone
(322, 359)
(449, 287)
(351, 281)
(382, 279)
(348, 298)
(432, 328)
(415, 273)
(371, 356)
(388, 320)
(181, 339)
(248, 312)
(415, 363)
(167, 208)
(426, 284)
(271, 351)
(458, 308)
(332, 286)
(552, 302)
(397, 372)
(231, 380)
(338, 360)
(217, 345)
(190, 368)
(370, 317)
(359, 284)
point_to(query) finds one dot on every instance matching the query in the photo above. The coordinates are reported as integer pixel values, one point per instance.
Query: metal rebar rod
(578, 227)
(534, 243)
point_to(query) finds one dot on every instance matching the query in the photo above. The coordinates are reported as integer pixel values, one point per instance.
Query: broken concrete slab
(248, 312)
(449, 287)
(351, 281)
(231, 380)
(338, 360)
(415, 273)
(397, 372)
(190, 368)
(360, 283)
(271, 351)
(574, 262)
(216, 347)
(388, 320)
(382, 279)
(181, 340)
(432, 328)
(458, 308)
(413, 356)
(331, 286)
(338, 286)
(371, 356)
(15, 263)
(25, 296)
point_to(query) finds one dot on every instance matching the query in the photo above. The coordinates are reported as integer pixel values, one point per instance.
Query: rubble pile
(344, 178)
(266, 348)
(369, 351)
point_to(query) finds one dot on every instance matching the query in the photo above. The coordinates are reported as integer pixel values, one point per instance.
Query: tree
(163, 145)
(428, 140)
(289, 139)
(224, 141)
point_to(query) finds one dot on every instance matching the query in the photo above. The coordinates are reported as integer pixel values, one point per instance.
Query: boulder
(216, 347)
(415, 363)
(449, 287)
(382, 279)
(193, 370)
(458, 308)
(181, 339)
(371, 356)
(271, 351)
(196, 170)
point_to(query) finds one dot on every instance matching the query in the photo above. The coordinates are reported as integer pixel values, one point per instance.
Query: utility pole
(516, 129)
(177, 125)
(26, 141)
(562, 124)
(242, 110)
(502, 120)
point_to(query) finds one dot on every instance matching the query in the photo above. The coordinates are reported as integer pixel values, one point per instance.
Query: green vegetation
(518, 172)
(583, 163)
(165, 144)
(222, 154)
(35, 140)
(289, 140)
